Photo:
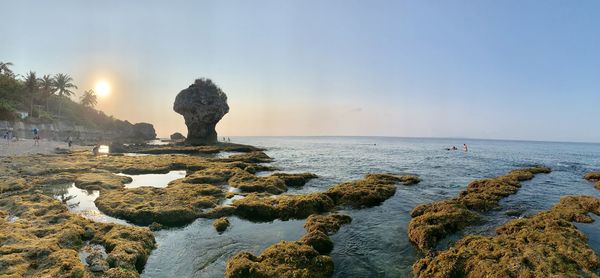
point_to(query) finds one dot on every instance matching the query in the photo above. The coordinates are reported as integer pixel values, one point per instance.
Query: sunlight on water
(154, 180)
(104, 149)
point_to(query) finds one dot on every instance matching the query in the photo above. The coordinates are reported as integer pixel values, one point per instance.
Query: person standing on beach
(96, 150)
(36, 137)
(70, 141)
(465, 147)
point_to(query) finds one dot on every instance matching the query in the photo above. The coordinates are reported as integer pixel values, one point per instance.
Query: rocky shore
(40, 236)
(59, 131)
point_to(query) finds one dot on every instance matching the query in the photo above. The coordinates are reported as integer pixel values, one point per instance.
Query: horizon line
(420, 137)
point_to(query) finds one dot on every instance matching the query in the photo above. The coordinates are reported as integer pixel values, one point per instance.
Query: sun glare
(102, 88)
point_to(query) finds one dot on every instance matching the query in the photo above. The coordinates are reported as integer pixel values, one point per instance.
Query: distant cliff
(121, 132)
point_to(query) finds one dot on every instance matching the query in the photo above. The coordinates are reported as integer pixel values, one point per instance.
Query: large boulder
(144, 131)
(202, 105)
(177, 136)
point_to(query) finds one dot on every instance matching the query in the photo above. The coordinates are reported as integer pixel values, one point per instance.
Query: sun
(102, 88)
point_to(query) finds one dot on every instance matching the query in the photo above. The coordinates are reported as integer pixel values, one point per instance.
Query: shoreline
(201, 194)
(26, 147)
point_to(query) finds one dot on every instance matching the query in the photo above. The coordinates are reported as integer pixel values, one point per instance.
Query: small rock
(155, 226)
(177, 136)
(221, 224)
(96, 262)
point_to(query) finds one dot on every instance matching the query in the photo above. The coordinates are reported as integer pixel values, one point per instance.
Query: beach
(27, 147)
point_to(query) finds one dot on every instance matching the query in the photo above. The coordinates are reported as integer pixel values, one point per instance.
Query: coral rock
(202, 105)
(432, 222)
(177, 136)
(221, 224)
(545, 245)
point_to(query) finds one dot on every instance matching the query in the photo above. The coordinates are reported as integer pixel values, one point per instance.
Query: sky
(514, 69)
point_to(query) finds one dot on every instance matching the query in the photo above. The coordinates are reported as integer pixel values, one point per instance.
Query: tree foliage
(88, 99)
(48, 99)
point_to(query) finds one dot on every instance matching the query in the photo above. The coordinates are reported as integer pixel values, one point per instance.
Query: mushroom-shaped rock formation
(202, 105)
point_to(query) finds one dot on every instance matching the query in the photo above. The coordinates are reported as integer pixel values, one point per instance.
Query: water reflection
(197, 250)
(154, 180)
(80, 201)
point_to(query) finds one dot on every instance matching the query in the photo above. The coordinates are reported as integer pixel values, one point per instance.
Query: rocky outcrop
(144, 131)
(432, 222)
(202, 105)
(121, 131)
(177, 136)
(546, 244)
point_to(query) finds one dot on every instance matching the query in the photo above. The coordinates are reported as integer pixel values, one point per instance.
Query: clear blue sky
(483, 69)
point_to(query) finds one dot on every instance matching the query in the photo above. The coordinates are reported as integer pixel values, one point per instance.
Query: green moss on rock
(284, 259)
(369, 191)
(432, 222)
(544, 245)
(251, 183)
(45, 238)
(295, 179)
(174, 205)
(328, 224)
(306, 257)
(266, 208)
(593, 177)
(221, 224)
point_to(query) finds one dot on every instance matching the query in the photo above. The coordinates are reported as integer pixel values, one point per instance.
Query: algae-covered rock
(267, 208)
(9, 183)
(328, 224)
(249, 157)
(202, 105)
(432, 222)
(174, 205)
(369, 191)
(45, 239)
(284, 259)
(100, 180)
(544, 245)
(295, 179)
(251, 183)
(593, 177)
(318, 240)
(214, 174)
(221, 224)
(306, 257)
(319, 227)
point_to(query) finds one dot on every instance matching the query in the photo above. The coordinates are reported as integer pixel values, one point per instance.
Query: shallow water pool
(154, 180)
(80, 201)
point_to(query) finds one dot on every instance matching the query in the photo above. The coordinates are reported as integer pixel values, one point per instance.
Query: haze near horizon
(494, 70)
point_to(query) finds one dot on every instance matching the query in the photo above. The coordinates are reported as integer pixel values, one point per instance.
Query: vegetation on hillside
(47, 99)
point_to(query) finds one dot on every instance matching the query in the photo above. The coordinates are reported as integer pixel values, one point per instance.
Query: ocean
(375, 244)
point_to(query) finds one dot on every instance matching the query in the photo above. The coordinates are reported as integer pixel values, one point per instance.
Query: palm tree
(47, 89)
(31, 83)
(63, 84)
(89, 99)
(4, 68)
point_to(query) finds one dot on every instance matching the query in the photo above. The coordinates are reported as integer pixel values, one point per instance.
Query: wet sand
(26, 146)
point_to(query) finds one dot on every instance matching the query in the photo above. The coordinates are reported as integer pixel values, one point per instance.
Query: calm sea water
(375, 244)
